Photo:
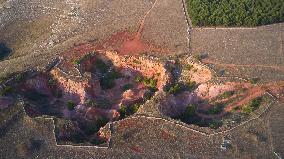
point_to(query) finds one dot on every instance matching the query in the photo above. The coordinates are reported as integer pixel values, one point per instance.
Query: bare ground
(252, 52)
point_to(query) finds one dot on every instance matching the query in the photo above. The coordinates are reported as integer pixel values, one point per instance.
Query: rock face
(5, 102)
(39, 83)
(147, 67)
(73, 90)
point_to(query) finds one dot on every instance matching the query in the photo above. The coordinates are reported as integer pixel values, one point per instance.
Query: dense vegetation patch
(189, 116)
(235, 12)
(126, 111)
(252, 106)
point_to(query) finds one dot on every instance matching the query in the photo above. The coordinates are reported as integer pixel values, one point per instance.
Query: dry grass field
(244, 52)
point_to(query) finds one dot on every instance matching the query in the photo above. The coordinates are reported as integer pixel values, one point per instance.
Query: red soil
(137, 149)
(126, 43)
(127, 124)
(76, 53)
(252, 92)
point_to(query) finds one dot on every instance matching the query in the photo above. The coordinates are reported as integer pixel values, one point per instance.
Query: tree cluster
(235, 12)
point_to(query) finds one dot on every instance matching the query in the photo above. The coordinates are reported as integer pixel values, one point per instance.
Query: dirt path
(207, 61)
(142, 23)
(135, 45)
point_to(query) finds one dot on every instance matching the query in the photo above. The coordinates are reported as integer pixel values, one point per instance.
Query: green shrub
(188, 67)
(77, 62)
(77, 138)
(197, 57)
(254, 80)
(51, 82)
(107, 81)
(153, 83)
(175, 89)
(91, 128)
(138, 79)
(216, 109)
(101, 122)
(122, 111)
(236, 108)
(91, 103)
(190, 110)
(227, 94)
(215, 124)
(83, 58)
(133, 109)
(6, 91)
(70, 105)
(191, 85)
(253, 105)
(58, 93)
(247, 109)
(101, 66)
(127, 87)
(148, 94)
(125, 111)
(19, 77)
(98, 141)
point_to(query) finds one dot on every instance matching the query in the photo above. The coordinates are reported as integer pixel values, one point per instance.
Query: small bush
(127, 87)
(125, 111)
(6, 91)
(253, 105)
(101, 122)
(51, 82)
(215, 124)
(175, 89)
(19, 77)
(58, 93)
(188, 67)
(91, 103)
(190, 110)
(122, 111)
(191, 85)
(216, 109)
(98, 141)
(101, 66)
(107, 81)
(70, 105)
(77, 62)
(247, 109)
(236, 108)
(254, 80)
(148, 94)
(133, 109)
(138, 79)
(77, 138)
(197, 57)
(227, 94)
